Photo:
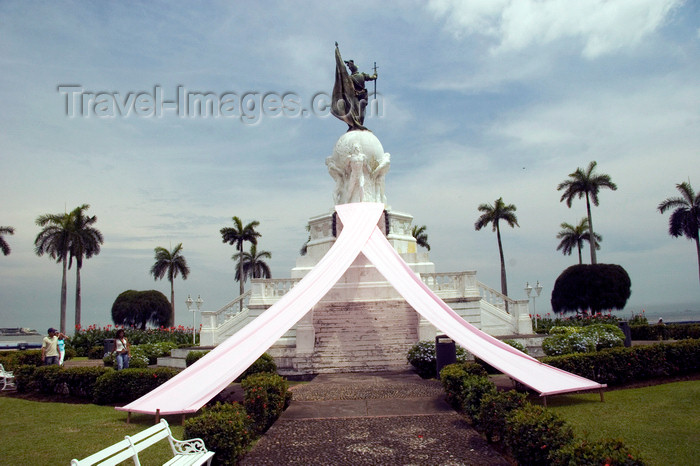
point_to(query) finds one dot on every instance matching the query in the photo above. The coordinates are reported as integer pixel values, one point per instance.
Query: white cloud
(601, 27)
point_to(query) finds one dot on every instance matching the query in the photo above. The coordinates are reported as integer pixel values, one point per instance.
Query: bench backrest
(113, 455)
(150, 436)
(129, 447)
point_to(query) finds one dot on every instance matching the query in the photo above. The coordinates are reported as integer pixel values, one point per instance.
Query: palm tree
(685, 220)
(586, 183)
(572, 236)
(237, 235)
(494, 214)
(54, 240)
(421, 236)
(4, 247)
(85, 243)
(253, 264)
(172, 263)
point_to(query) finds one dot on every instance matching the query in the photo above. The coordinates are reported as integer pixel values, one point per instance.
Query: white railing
(459, 282)
(215, 319)
(495, 298)
(274, 287)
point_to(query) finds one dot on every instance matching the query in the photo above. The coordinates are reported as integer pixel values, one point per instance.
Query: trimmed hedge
(603, 452)
(621, 365)
(194, 356)
(494, 410)
(76, 381)
(530, 433)
(264, 364)
(129, 384)
(225, 429)
(11, 360)
(665, 332)
(452, 378)
(265, 397)
(533, 432)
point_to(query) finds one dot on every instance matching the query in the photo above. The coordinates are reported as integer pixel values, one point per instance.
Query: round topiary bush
(533, 432)
(225, 429)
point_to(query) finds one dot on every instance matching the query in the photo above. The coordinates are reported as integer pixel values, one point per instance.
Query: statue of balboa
(358, 163)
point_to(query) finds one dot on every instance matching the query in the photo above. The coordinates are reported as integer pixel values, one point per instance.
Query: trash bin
(625, 327)
(445, 352)
(110, 345)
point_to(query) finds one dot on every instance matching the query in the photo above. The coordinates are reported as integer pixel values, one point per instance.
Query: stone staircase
(366, 336)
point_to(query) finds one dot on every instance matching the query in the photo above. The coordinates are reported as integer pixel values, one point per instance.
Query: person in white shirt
(123, 350)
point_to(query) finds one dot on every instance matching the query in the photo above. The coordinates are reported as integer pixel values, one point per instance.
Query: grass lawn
(46, 433)
(661, 421)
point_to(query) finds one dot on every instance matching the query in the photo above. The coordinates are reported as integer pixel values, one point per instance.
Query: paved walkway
(363, 419)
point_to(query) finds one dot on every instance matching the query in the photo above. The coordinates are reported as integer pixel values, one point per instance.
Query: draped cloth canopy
(192, 388)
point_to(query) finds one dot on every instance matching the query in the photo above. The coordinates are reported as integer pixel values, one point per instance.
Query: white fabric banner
(192, 388)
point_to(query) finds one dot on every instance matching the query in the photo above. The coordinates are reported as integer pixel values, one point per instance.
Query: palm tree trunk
(77, 296)
(504, 283)
(172, 304)
(580, 259)
(697, 246)
(591, 235)
(63, 295)
(240, 272)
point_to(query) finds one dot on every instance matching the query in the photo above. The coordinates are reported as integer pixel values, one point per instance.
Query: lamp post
(538, 290)
(198, 304)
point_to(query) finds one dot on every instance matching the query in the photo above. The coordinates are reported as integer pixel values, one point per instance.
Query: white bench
(8, 379)
(187, 452)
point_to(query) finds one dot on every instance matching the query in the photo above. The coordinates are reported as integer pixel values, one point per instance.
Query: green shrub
(517, 345)
(265, 397)
(622, 365)
(96, 352)
(194, 356)
(225, 429)
(567, 340)
(423, 359)
(143, 355)
(452, 378)
(495, 408)
(569, 343)
(532, 433)
(665, 332)
(129, 384)
(610, 452)
(46, 378)
(605, 335)
(264, 364)
(10, 360)
(89, 337)
(24, 378)
(474, 388)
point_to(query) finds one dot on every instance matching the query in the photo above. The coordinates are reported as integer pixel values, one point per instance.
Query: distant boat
(17, 331)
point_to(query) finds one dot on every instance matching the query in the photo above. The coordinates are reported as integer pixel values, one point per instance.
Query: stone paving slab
(364, 408)
(438, 439)
(371, 419)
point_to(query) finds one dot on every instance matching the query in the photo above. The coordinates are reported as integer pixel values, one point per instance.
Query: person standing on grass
(49, 348)
(123, 350)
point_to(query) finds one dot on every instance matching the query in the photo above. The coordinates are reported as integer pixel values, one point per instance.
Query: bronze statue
(349, 93)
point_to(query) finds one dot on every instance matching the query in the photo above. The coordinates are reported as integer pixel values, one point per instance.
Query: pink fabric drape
(199, 383)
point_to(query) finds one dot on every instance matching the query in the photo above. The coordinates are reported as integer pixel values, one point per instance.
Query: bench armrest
(193, 445)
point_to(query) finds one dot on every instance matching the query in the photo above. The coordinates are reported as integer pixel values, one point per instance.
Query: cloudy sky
(478, 100)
